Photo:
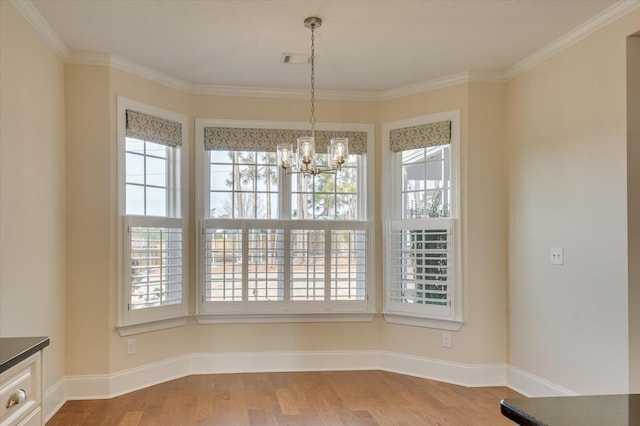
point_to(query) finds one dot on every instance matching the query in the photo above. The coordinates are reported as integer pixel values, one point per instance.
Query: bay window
(282, 247)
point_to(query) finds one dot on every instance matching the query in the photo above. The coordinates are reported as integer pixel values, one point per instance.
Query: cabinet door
(34, 419)
(21, 384)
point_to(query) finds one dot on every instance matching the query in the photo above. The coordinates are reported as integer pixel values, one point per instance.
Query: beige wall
(482, 339)
(32, 189)
(89, 211)
(633, 206)
(485, 218)
(566, 133)
(195, 338)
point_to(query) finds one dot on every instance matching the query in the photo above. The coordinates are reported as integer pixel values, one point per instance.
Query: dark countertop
(15, 349)
(600, 410)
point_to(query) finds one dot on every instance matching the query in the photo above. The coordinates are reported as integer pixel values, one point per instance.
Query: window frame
(286, 311)
(152, 318)
(422, 315)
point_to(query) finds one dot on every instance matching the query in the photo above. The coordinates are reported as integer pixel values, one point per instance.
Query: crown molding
(116, 62)
(31, 14)
(89, 58)
(425, 86)
(487, 77)
(581, 32)
(260, 92)
(150, 74)
(130, 67)
(439, 83)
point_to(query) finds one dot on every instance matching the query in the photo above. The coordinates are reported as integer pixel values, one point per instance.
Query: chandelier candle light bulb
(306, 151)
(338, 150)
(285, 152)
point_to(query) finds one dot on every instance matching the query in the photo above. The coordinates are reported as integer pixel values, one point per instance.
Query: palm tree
(244, 207)
(303, 201)
(234, 181)
(266, 172)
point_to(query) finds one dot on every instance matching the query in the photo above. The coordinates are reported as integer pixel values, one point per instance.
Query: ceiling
(373, 45)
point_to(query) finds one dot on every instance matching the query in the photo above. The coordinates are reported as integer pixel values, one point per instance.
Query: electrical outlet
(446, 340)
(131, 346)
(556, 256)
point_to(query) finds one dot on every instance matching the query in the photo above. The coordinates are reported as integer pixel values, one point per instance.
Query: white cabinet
(21, 393)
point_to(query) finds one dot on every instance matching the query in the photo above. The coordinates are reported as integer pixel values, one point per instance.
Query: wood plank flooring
(307, 398)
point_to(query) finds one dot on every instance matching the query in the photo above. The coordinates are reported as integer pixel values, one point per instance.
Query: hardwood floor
(307, 398)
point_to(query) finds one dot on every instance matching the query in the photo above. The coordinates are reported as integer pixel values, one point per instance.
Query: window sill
(284, 317)
(417, 321)
(128, 330)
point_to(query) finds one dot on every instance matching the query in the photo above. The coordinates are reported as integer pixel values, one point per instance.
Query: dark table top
(15, 349)
(599, 410)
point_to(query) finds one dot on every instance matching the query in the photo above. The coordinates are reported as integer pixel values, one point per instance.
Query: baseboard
(147, 375)
(533, 386)
(54, 399)
(112, 385)
(284, 361)
(471, 375)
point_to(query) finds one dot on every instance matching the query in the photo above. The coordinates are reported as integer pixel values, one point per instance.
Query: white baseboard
(54, 398)
(533, 386)
(283, 361)
(112, 385)
(88, 387)
(147, 375)
(472, 375)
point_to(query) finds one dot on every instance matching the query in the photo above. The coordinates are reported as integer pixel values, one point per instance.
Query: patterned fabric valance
(421, 136)
(235, 139)
(153, 129)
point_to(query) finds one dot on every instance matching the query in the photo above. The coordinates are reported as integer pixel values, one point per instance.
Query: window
(152, 175)
(277, 247)
(421, 239)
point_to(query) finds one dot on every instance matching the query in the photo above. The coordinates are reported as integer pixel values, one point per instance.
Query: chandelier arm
(312, 171)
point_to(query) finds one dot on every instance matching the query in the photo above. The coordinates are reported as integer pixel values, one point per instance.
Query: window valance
(153, 129)
(421, 136)
(239, 139)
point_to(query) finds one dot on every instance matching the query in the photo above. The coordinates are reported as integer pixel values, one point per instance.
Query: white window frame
(153, 318)
(285, 311)
(421, 314)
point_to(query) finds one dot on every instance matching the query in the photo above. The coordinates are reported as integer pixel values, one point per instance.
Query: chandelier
(304, 160)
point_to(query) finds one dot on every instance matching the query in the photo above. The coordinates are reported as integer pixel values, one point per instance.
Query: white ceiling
(372, 45)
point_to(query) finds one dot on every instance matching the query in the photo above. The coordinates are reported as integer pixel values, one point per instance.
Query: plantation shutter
(155, 252)
(419, 256)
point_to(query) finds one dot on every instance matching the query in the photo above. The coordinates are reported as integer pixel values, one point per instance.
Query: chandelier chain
(305, 156)
(312, 119)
